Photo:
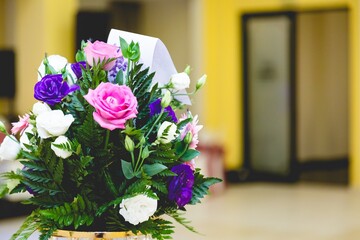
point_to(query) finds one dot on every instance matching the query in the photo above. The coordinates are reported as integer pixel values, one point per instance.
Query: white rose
(163, 137)
(53, 123)
(59, 151)
(55, 61)
(179, 81)
(40, 107)
(24, 140)
(138, 209)
(9, 148)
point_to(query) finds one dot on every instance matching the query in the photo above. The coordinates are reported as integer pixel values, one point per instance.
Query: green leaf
(201, 187)
(3, 190)
(134, 51)
(179, 217)
(184, 122)
(28, 227)
(153, 169)
(120, 77)
(145, 153)
(2, 128)
(190, 154)
(180, 147)
(127, 169)
(124, 47)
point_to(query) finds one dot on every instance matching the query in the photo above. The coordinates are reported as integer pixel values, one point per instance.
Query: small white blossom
(53, 123)
(179, 81)
(57, 62)
(138, 209)
(59, 151)
(40, 107)
(166, 132)
(9, 148)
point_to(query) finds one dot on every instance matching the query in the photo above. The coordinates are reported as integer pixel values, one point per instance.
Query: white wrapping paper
(154, 54)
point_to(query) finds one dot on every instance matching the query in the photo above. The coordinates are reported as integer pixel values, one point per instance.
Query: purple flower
(180, 186)
(120, 65)
(155, 108)
(51, 89)
(76, 68)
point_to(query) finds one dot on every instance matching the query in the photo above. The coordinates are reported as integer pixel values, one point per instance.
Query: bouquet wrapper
(153, 54)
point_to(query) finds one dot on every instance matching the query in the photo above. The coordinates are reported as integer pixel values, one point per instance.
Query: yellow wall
(223, 64)
(2, 22)
(41, 26)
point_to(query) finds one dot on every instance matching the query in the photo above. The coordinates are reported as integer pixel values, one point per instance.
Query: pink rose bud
(99, 51)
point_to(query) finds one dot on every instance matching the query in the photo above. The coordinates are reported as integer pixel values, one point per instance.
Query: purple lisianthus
(51, 89)
(120, 65)
(155, 108)
(76, 68)
(180, 186)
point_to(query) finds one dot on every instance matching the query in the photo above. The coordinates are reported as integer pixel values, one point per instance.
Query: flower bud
(9, 148)
(187, 70)
(60, 152)
(129, 144)
(166, 99)
(201, 82)
(166, 132)
(3, 128)
(142, 140)
(188, 138)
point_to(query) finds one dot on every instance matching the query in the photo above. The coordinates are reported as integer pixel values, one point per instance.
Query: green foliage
(201, 187)
(158, 228)
(79, 212)
(190, 154)
(89, 134)
(3, 191)
(45, 174)
(28, 227)
(180, 218)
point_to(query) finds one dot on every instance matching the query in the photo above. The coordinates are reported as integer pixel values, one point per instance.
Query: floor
(259, 211)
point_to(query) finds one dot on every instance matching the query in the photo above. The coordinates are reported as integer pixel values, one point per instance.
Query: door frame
(293, 172)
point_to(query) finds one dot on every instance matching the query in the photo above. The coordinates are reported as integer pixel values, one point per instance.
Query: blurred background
(280, 108)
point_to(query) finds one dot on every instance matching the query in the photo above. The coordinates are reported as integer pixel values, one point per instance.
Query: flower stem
(107, 138)
(138, 160)
(157, 120)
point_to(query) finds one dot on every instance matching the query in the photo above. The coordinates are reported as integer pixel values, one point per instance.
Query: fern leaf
(201, 187)
(179, 217)
(28, 227)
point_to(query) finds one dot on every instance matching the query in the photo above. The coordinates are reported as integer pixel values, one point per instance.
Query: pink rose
(98, 51)
(114, 104)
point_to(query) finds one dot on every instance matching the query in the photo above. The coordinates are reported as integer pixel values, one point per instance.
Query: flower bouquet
(102, 149)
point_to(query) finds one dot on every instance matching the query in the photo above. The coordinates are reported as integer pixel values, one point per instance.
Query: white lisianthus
(53, 123)
(40, 107)
(24, 140)
(57, 62)
(179, 81)
(71, 75)
(59, 151)
(9, 148)
(166, 132)
(138, 209)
